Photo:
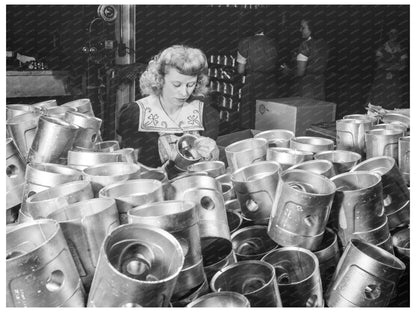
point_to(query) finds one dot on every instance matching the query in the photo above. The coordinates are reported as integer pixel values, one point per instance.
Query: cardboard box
(295, 114)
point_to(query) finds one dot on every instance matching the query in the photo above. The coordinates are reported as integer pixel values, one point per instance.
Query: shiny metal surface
(217, 253)
(106, 146)
(22, 129)
(45, 104)
(245, 152)
(397, 119)
(351, 134)
(15, 176)
(381, 142)
(132, 193)
(401, 242)
(396, 195)
(53, 139)
(127, 155)
(105, 174)
(404, 158)
(45, 202)
(320, 166)
(392, 126)
(254, 279)
(366, 276)
(89, 129)
(40, 270)
(297, 275)
(343, 161)
(213, 168)
(255, 188)
(311, 144)
(180, 218)
(186, 155)
(252, 242)
(301, 209)
(83, 106)
(138, 266)
(276, 137)
(287, 157)
(13, 110)
(85, 225)
(223, 299)
(234, 220)
(374, 120)
(57, 111)
(83, 159)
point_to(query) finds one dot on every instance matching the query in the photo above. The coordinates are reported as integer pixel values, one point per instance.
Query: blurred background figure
(257, 59)
(387, 88)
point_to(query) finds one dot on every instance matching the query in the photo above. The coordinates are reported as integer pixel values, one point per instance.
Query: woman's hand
(207, 148)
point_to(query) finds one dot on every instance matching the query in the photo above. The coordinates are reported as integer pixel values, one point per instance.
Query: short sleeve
(211, 120)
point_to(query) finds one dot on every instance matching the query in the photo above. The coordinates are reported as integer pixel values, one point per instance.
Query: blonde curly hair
(186, 60)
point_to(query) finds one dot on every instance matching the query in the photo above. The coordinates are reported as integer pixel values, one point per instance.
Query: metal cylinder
(83, 159)
(13, 110)
(311, 144)
(391, 126)
(179, 218)
(40, 270)
(287, 157)
(89, 129)
(379, 236)
(213, 168)
(83, 106)
(320, 166)
(276, 137)
(297, 276)
(45, 104)
(366, 276)
(217, 254)
(301, 209)
(186, 154)
(397, 119)
(234, 220)
(45, 202)
(227, 191)
(58, 111)
(85, 225)
(224, 178)
(255, 187)
(381, 142)
(138, 266)
(373, 119)
(132, 193)
(343, 161)
(328, 255)
(53, 139)
(245, 152)
(254, 279)
(395, 191)
(108, 173)
(22, 129)
(358, 204)
(401, 242)
(127, 155)
(252, 243)
(404, 158)
(106, 146)
(42, 176)
(351, 134)
(15, 176)
(223, 299)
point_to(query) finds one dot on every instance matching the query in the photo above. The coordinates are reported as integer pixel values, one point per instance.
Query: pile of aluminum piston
(285, 221)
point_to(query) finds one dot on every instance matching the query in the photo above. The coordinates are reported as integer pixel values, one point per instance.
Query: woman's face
(177, 87)
(304, 29)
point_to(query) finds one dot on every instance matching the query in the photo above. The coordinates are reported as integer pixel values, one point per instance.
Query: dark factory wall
(57, 33)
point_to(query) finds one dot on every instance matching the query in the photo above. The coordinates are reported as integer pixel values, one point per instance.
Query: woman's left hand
(207, 148)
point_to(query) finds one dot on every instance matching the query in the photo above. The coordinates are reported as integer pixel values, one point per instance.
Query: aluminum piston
(379, 236)
(358, 204)
(254, 279)
(328, 254)
(83, 106)
(45, 104)
(223, 299)
(374, 120)
(42, 176)
(53, 139)
(297, 275)
(320, 166)
(105, 174)
(45, 202)
(245, 152)
(89, 129)
(106, 146)
(395, 191)
(15, 175)
(343, 161)
(138, 266)
(217, 253)
(252, 243)
(234, 220)
(213, 168)
(179, 218)
(85, 226)
(351, 134)
(311, 144)
(366, 276)
(40, 271)
(83, 159)
(301, 209)
(58, 111)
(392, 126)
(404, 158)
(255, 187)
(132, 193)
(22, 129)
(186, 155)
(276, 137)
(13, 110)
(401, 242)
(397, 119)
(381, 142)
(287, 157)
(196, 293)
(127, 155)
